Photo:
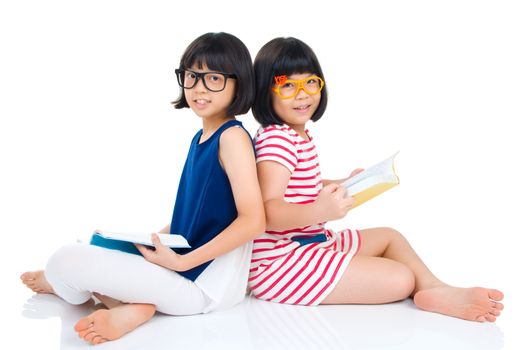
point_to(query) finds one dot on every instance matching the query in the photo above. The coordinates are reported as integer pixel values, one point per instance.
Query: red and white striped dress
(302, 265)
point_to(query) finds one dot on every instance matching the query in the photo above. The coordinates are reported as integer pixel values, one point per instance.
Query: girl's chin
(299, 119)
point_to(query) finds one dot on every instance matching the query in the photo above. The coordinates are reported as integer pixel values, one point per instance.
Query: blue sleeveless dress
(204, 204)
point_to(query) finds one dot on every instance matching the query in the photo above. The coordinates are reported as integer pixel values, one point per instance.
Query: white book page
(383, 169)
(170, 240)
(367, 183)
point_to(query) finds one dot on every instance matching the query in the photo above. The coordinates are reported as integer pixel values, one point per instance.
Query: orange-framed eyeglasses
(288, 88)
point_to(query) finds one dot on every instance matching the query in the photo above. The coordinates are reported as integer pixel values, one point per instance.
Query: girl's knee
(391, 231)
(399, 280)
(393, 234)
(62, 258)
(403, 281)
(62, 274)
(69, 261)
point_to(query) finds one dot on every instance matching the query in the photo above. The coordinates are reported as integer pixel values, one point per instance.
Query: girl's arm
(237, 157)
(331, 204)
(238, 160)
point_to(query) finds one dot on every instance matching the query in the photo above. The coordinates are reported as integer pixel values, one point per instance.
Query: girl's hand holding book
(162, 255)
(333, 203)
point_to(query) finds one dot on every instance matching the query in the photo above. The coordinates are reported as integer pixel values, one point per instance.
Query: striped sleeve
(278, 145)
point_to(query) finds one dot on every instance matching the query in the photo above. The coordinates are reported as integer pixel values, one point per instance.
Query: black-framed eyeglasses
(213, 81)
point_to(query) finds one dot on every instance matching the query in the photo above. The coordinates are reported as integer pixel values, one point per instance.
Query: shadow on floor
(256, 324)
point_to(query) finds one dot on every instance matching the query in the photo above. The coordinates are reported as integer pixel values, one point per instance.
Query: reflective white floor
(47, 322)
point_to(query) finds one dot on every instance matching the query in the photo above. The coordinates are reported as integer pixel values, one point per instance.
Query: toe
(481, 319)
(97, 340)
(495, 312)
(25, 276)
(85, 334)
(83, 324)
(490, 318)
(495, 294)
(102, 340)
(499, 306)
(90, 336)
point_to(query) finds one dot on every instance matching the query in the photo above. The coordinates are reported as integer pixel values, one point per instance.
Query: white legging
(77, 271)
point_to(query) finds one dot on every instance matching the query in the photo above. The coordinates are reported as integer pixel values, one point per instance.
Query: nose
(301, 94)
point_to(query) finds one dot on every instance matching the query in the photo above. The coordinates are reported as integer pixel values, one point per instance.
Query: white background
(89, 139)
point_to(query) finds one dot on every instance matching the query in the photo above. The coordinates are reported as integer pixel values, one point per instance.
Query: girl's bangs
(294, 63)
(213, 59)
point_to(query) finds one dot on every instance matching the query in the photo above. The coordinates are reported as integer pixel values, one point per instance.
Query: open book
(372, 181)
(170, 240)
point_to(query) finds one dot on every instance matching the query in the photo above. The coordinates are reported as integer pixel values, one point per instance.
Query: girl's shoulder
(235, 132)
(277, 131)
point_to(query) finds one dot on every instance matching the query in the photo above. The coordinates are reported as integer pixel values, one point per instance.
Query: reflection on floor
(256, 324)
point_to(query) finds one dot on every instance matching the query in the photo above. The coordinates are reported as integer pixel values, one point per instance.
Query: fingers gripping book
(372, 181)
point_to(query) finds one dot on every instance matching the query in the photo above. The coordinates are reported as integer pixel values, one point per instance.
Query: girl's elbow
(257, 224)
(254, 222)
(260, 224)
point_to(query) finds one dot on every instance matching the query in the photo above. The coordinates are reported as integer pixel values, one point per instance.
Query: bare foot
(473, 304)
(36, 281)
(105, 325)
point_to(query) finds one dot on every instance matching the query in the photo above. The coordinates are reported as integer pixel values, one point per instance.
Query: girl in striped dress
(297, 260)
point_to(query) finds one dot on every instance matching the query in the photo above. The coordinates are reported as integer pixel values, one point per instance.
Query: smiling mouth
(201, 101)
(302, 108)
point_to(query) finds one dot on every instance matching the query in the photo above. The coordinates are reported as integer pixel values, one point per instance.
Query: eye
(190, 75)
(288, 85)
(214, 77)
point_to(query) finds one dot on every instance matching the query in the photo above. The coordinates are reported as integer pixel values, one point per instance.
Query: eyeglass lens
(311, 86)
(212, 81)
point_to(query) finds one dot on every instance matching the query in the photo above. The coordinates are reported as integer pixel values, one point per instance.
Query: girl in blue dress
(218, 209)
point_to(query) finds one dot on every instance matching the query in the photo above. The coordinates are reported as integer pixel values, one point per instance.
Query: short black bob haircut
(283, 56)
(222, 52)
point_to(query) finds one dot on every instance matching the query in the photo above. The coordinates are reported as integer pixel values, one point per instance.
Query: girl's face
(296, 111)
(209, 104)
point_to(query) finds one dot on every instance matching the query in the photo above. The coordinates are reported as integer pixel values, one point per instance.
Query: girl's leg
(129, 285)
(37, 282)
(76, 271)
(110, 303)
(430, 293)
(372, 280)
(390, 244)
(102, 325)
